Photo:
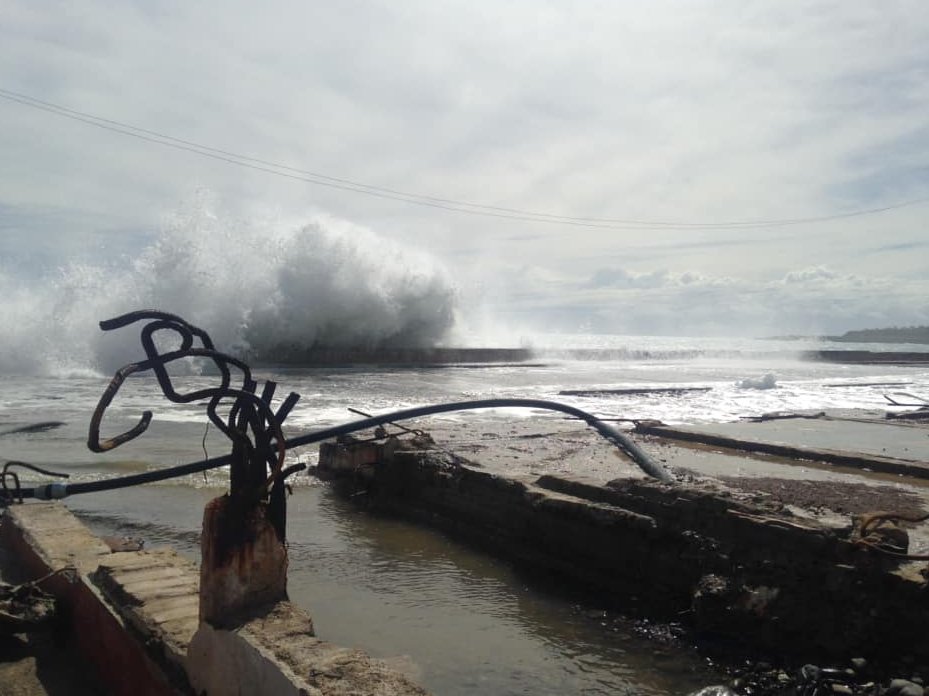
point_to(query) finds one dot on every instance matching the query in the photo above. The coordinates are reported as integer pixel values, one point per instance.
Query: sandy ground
(37, 663)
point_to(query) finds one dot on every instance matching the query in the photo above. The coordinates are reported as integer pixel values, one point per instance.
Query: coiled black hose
(611, 433)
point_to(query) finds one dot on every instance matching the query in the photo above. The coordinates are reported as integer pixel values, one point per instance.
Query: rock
(123, 543)
(810, 674)
(904, 687)
(859, 664)
(713, 691)
(841, 689)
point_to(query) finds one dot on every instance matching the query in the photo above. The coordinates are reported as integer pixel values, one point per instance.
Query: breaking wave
(257, 287)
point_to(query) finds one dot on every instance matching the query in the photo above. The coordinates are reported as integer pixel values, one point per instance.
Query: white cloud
(811, 301)
(670, 111)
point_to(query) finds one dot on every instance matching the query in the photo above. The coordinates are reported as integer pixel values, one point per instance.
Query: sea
(460, 621)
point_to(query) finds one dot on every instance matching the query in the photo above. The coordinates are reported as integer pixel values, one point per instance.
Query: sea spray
(254, 285)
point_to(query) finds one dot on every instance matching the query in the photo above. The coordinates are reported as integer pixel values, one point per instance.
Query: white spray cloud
(252, 285)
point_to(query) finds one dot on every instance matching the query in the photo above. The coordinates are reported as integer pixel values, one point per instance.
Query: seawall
(727, 563)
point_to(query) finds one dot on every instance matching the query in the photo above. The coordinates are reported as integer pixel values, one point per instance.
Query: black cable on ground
(610, 432)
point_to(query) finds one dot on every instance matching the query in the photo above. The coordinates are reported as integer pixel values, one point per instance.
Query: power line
(413, 198)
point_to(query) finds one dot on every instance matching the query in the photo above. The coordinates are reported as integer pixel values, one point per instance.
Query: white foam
(251, 284)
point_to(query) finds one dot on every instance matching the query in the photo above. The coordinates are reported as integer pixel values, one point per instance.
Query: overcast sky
(660, 123)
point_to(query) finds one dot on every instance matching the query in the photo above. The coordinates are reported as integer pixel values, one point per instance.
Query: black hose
(611, 433)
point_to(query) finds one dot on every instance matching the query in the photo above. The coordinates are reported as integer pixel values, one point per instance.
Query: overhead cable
(449, 204)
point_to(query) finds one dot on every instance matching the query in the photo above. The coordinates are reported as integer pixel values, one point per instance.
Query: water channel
(460, 621)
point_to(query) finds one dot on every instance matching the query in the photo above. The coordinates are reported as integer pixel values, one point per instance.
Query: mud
(830, 496)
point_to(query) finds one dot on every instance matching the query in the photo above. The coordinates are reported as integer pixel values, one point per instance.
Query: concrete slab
(57, 537)
(879, 438)
(134, 582)
(882, 446)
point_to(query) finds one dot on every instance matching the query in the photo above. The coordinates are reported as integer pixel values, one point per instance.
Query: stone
(904, 687)
(810, 674)
(713, 691)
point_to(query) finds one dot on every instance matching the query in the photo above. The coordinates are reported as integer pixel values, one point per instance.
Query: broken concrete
(857, 442)
(45, 538)
(734, 562)
(133, 618)
(276, 653)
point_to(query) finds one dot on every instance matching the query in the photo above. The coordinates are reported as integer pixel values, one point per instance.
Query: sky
(676, 168)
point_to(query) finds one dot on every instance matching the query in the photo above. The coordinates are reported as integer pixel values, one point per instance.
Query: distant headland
(906, 334)
(896, 334)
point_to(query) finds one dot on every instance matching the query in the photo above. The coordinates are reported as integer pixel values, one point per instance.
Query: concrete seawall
(868, 357)
(728, 561)
(400, 357)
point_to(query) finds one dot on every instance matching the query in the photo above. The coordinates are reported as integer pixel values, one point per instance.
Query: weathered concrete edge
(886, 465)
(274, 651)
(149, 610)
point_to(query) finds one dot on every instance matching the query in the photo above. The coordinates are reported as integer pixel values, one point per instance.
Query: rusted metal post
(243, 565)
(243, 561)
(243, 549)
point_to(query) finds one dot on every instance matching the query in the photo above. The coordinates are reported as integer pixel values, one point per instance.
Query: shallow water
(463, 622)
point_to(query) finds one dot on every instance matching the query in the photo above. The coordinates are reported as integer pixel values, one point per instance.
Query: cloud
(809, 275)
(671, 112)
(812, 301)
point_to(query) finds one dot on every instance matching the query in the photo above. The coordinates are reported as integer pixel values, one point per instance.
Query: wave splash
(256, 287)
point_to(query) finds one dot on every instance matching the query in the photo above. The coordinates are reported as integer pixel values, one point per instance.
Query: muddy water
(460, 621)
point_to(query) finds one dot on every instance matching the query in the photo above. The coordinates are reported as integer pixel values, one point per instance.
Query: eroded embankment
(725, 561)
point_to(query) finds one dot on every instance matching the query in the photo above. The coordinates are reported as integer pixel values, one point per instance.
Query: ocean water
(737, 377)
